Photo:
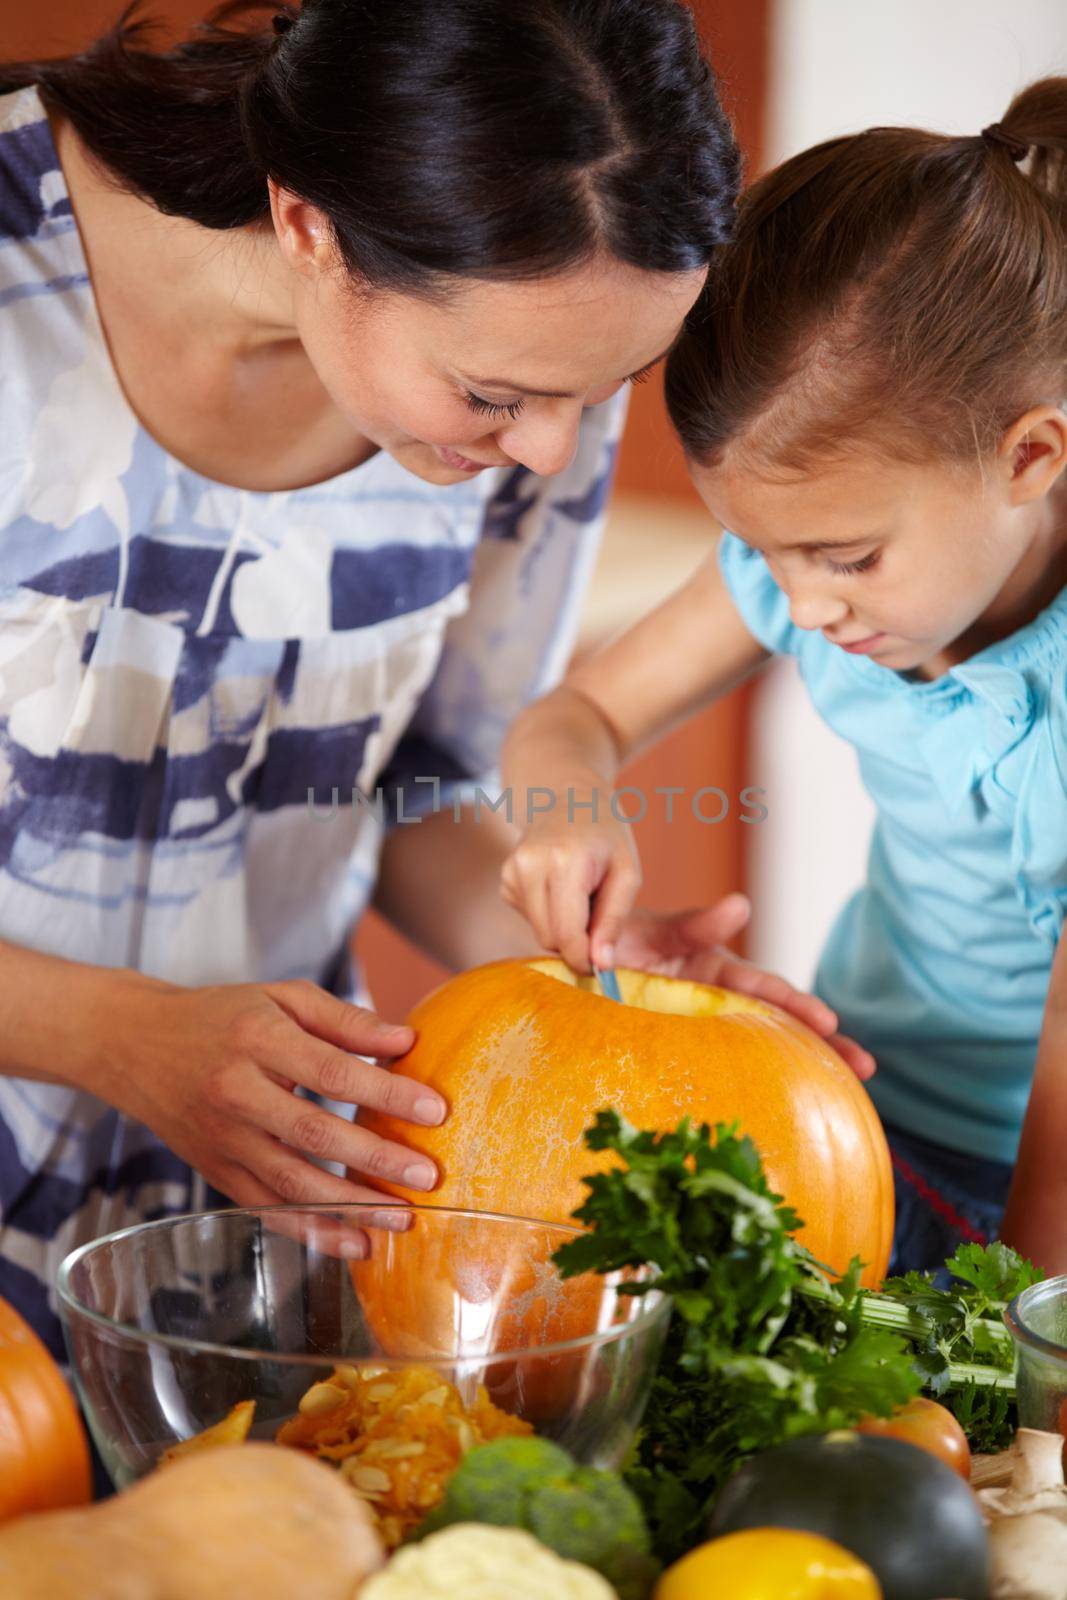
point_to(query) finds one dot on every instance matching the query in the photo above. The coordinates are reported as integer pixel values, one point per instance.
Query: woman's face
(495, 377)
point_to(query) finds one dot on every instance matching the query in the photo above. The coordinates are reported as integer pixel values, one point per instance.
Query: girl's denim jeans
(944, 1199)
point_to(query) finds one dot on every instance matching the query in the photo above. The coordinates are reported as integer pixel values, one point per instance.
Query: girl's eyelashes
(512, 408)
(863, 565)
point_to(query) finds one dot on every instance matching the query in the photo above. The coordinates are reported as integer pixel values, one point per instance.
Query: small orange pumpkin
(44, 1454)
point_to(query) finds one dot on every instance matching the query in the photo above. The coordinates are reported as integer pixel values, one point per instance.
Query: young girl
(870, 394)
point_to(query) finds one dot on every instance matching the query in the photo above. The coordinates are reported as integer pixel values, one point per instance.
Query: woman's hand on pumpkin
(571, 880)
(213, 1071)
(690, 944)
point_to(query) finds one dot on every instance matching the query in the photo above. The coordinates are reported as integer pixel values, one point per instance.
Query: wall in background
(57, 27)
(835, 67)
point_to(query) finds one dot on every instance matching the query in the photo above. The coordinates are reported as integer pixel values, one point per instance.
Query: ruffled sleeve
(763, 607)
(1039, 845)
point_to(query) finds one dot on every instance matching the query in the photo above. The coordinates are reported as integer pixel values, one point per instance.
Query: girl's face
(498, 375)
(900, 562)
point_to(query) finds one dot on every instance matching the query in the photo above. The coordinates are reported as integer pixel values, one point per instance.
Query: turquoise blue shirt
(940, 964)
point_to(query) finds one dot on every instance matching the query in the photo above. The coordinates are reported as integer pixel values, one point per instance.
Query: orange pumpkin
(44, 1454)
(526, 1052)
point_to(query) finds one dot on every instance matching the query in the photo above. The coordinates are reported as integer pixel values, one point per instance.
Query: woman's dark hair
(475, 138)
(897, 287)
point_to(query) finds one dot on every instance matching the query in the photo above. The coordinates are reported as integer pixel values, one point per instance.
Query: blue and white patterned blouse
(181, 662)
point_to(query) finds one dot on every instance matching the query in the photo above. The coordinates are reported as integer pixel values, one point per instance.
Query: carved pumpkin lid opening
(649, 991)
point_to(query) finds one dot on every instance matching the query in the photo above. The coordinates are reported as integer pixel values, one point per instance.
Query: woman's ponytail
(490, 139)
(167, 125)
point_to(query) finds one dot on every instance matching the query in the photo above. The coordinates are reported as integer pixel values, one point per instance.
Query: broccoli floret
(585, 1509)
(592, 1517)
(582, 1514)
(493, 1484)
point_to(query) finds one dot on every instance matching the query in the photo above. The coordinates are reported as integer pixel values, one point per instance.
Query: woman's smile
(452, 458)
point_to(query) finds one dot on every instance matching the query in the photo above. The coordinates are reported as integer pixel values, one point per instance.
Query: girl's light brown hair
(896, 288)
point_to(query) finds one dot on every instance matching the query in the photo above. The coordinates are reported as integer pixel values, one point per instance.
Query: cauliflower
(483, 1563)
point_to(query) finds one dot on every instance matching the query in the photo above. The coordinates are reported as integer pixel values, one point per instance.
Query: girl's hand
(689, 944)
(212, 1072)
(559, 868)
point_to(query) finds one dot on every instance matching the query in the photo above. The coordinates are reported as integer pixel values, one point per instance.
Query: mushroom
(1028, 1522)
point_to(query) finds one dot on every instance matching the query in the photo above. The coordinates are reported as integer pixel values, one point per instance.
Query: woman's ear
(302, 231)
(1033, 453)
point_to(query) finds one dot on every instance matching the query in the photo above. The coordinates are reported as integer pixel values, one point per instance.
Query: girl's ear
(1033, 453)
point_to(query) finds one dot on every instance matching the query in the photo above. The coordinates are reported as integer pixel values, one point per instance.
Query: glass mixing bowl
(169, 1324)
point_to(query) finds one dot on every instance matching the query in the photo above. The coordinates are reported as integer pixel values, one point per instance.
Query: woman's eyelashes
(863, 565)
(492, 408)
(512, 408)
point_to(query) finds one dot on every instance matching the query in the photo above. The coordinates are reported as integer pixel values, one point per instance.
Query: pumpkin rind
(525, 1055)
(44, 1454)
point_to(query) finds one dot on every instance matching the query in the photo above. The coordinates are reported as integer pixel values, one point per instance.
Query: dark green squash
(909, 1517)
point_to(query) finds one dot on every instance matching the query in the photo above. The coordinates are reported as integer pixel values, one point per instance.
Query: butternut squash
(258, 1523)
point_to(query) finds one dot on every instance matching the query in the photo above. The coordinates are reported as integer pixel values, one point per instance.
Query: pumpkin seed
(372, 1480)
(381, 1391)
(320, 1399)
(400, 1449)
(435, 1397)
(466, 1437)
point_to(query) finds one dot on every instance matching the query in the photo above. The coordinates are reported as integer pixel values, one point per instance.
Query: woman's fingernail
(607, 956)
(430, 1110)
(396, 1221)
(419, 1176)
(390, 1027)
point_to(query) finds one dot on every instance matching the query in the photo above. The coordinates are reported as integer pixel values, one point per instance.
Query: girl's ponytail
(1037, 120)
(899, 287)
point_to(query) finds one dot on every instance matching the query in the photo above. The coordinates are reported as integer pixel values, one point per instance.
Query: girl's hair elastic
(1017, 148)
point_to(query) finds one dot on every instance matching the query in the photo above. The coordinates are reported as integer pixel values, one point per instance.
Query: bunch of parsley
(764, 1344)
(960, 1346)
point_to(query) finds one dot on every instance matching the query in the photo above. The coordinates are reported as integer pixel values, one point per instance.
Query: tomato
(931, 1427)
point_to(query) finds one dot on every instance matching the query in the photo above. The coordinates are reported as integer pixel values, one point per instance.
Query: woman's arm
(212, 1071)
(570, 746)
(1035, 1221)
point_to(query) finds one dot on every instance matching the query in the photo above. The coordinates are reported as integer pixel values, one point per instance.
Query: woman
(313, 338)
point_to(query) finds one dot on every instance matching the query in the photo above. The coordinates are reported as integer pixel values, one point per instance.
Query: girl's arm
(1035, 1222)
(563, 755)
(439, 885)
